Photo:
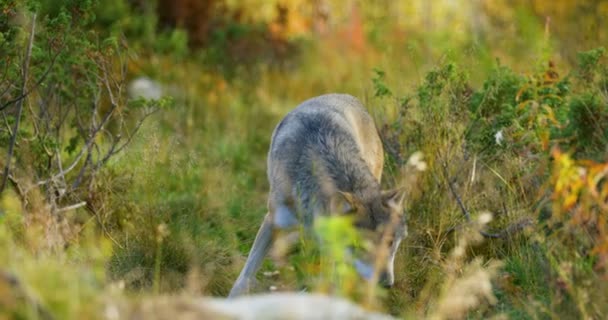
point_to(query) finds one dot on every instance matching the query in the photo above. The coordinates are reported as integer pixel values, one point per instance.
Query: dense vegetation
(107, 196)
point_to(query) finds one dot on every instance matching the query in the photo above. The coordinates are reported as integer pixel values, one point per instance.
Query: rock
(271, 306)
(144, 87)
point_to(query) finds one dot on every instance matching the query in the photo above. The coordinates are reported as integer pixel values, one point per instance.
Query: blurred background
(138, 155)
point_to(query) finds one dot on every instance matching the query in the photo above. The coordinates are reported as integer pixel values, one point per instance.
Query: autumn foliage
(580, 203)
(110, 196)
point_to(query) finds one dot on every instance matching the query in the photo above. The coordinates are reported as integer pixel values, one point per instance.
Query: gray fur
(327, 148)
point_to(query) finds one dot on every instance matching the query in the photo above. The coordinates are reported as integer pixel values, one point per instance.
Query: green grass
(178, 211)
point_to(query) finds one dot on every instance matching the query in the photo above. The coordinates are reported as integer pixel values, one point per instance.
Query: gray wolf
(325, 149)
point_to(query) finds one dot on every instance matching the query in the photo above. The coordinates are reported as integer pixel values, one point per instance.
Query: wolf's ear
(394, 197)
(344, 202)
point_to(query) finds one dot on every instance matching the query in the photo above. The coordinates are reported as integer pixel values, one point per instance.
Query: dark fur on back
(320, 157)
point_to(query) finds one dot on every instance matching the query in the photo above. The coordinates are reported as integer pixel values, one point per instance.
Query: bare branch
(72, 207)
(18, 188)
(8, 126)
(78, 179)
(36, 84)
(86, 148)
(511, 229)
(26, 67)
(59, 163)
(464, 210)
(63, 172)
(34, 121)
(129, 138)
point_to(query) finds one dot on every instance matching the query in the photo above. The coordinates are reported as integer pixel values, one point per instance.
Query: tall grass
(178, 211)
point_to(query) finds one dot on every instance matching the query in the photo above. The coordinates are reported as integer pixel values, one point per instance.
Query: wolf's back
(327, 143)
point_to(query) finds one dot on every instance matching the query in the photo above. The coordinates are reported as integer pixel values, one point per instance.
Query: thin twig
(63, 172)
(26, 67)
(8, 125)
(114, 151)
(464, 210)
(87, 146)
(80, 174)
(511, 229)
(72, 207)
(24, 94)
(35, 120)
(19, 189)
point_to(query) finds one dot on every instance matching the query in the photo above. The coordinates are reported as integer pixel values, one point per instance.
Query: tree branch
(511, 229)
(114, 150)
(464, 210)
(72, 207)
(36, 84)
(88, 145)
(26, 67)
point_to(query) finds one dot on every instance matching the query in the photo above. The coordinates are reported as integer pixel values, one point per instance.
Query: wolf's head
(382, 223)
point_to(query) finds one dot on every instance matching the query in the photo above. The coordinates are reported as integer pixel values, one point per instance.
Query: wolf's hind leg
(283, 245)
(284, 218)
(258, 251)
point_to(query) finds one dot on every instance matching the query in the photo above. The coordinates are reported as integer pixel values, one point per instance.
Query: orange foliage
(353, 33)
(195, 16)
(580, 198)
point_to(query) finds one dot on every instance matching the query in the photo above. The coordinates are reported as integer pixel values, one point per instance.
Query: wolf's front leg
(258, 251)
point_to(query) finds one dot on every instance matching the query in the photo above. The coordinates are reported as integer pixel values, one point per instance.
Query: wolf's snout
(387, 280)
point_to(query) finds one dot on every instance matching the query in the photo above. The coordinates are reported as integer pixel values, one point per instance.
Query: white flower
(485, 218)
(499, 137)
(144, 87)
(416, 161)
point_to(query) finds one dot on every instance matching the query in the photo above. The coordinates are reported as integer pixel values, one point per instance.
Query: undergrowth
(509, 217)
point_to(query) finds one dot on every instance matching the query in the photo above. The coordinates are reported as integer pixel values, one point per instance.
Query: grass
(178, 211)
